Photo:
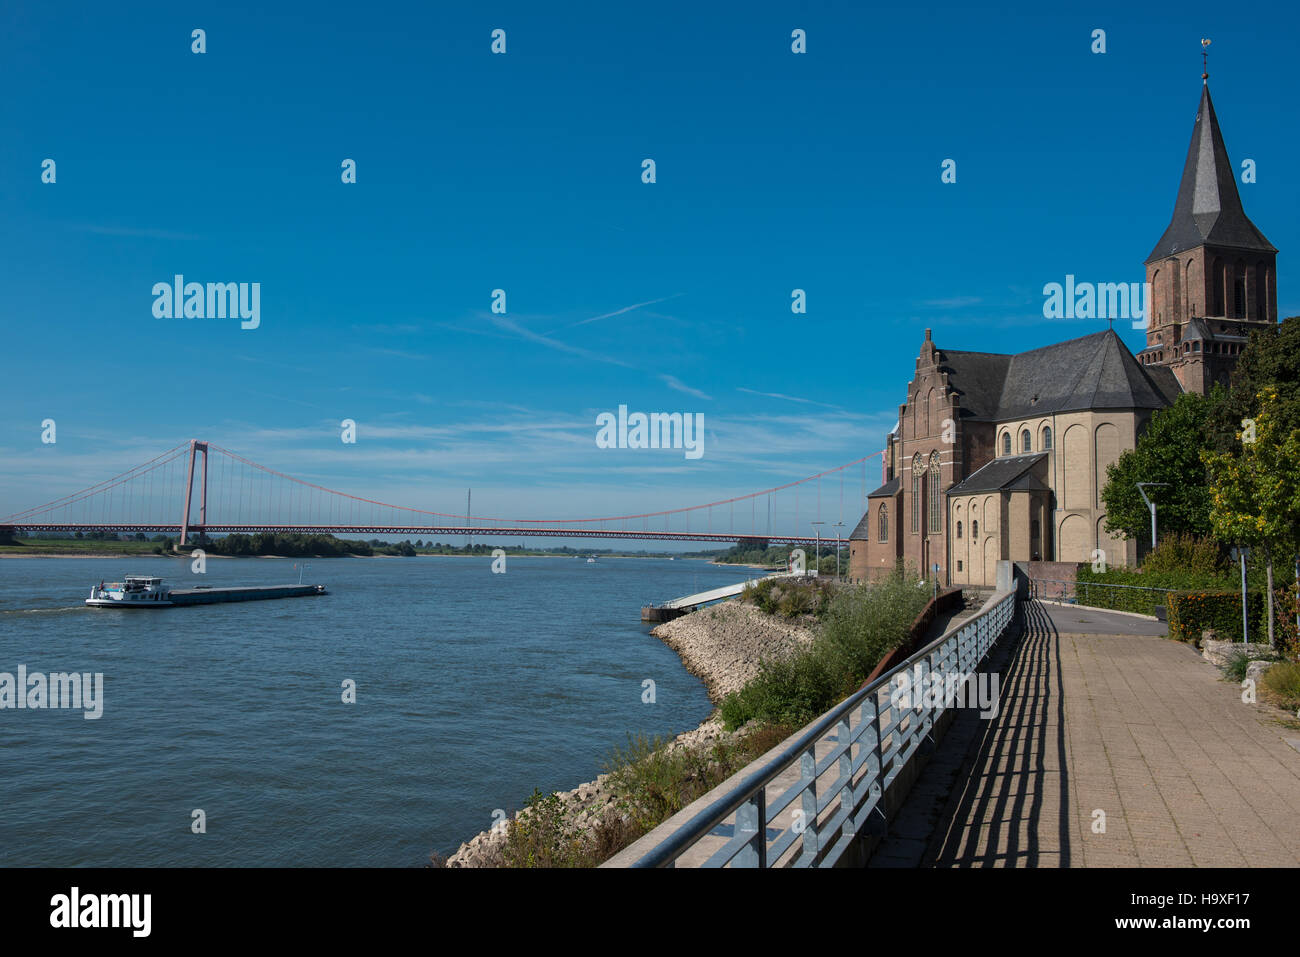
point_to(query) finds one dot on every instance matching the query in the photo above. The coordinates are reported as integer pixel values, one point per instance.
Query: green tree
(1271, 358)
(1168, 451)
(1255, 491)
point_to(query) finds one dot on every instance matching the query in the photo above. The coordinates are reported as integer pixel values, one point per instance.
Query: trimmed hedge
(1190, 612)
(1143, 601)
(1140, 600)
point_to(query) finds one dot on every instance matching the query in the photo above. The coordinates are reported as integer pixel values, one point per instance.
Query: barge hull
(213, 596)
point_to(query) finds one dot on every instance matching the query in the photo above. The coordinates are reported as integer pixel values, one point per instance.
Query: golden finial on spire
(1205, 61)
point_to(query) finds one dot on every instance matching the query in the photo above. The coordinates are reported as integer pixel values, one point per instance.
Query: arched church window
(1260, 304)
(959, 529)
(935, 476)
(1006, 443)
(975, 530)
(884, 523)
(1216, 288)
(1026, 444)
(1047, 438)
(1239, 290)
(918, 470)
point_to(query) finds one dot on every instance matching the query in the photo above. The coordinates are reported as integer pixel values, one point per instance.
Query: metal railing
(861, 745)
(1068, 592)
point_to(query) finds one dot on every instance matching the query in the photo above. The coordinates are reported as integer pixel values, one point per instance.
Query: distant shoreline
(185, 555)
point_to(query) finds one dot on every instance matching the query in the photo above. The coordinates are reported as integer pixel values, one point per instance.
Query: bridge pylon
(195, 447)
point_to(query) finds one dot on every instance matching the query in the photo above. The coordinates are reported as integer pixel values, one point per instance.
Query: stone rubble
(1220, 652)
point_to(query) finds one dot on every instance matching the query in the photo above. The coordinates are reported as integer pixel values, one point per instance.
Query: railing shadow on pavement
(996, 819)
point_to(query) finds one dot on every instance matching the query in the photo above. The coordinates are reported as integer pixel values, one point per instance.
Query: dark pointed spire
(1208, 209)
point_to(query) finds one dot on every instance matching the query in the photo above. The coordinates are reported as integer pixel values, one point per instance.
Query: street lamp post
(1243, 553)
(1142, 487)
(817, 563)
(838, 536)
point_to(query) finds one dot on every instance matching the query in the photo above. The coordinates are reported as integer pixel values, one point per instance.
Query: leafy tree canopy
(1272, 358)
(1170, 452)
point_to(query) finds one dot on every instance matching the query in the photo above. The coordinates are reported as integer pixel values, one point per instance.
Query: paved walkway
(1103, 721)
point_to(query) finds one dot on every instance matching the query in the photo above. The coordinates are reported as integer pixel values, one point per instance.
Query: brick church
(999, 457)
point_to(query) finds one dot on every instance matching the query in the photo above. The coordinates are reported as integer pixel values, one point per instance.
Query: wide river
(472, 689)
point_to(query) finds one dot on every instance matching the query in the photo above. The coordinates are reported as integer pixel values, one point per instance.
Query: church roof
(1096, 371)
(1009, 472)
(978, 378)
(888, 489)
(1165, 381)
(1208, 208)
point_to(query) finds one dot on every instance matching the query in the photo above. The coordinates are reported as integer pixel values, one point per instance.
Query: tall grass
(861, 625)
(1283, 683)
(650, 781)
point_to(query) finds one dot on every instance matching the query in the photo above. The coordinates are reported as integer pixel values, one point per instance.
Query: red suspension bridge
(180, 492)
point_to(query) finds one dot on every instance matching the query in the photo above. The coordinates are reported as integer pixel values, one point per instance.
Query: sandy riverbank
(721, 645)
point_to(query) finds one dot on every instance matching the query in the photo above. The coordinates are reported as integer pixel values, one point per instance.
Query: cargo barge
(140, 591)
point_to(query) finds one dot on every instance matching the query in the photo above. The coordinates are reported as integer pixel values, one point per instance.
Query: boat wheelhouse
(133, 591)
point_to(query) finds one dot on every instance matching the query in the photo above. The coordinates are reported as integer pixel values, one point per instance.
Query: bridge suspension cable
(237, 492)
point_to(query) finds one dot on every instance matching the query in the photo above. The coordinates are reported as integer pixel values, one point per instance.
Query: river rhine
(472, 688)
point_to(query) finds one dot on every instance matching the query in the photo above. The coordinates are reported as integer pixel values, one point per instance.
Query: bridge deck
(1100, 714)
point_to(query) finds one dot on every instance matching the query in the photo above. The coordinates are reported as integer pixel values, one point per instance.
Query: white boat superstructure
(142, 590)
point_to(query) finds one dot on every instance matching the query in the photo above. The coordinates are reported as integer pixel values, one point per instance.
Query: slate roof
(1208, 208)
(1165, 381)
(1096, 371)
(978, 378)
(889, 488)
(1012, 471)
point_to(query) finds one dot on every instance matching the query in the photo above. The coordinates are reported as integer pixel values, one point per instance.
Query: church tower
(1213, 274)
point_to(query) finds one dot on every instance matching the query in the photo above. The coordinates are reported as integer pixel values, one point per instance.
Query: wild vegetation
(790, 598)
(1281, 684)
(651, 780)
(858, 627)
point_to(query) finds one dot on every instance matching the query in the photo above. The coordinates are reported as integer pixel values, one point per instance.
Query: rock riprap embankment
(724, 644)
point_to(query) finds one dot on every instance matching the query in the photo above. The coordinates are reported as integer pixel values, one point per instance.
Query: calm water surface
(472, 689)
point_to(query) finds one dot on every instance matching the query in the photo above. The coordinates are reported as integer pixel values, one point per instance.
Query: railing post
(842, 733)
(751, 818)
(921, 711)
(808, 803)
(875, 777)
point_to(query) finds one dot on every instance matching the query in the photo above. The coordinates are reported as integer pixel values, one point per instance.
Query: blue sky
(522, 172)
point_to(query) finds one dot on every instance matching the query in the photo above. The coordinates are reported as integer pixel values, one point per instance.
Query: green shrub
(1186, 554)
(653, 781)
(1150, 588)
(861, 625)
(789, 597)
(1191, 612)
(542, 836)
